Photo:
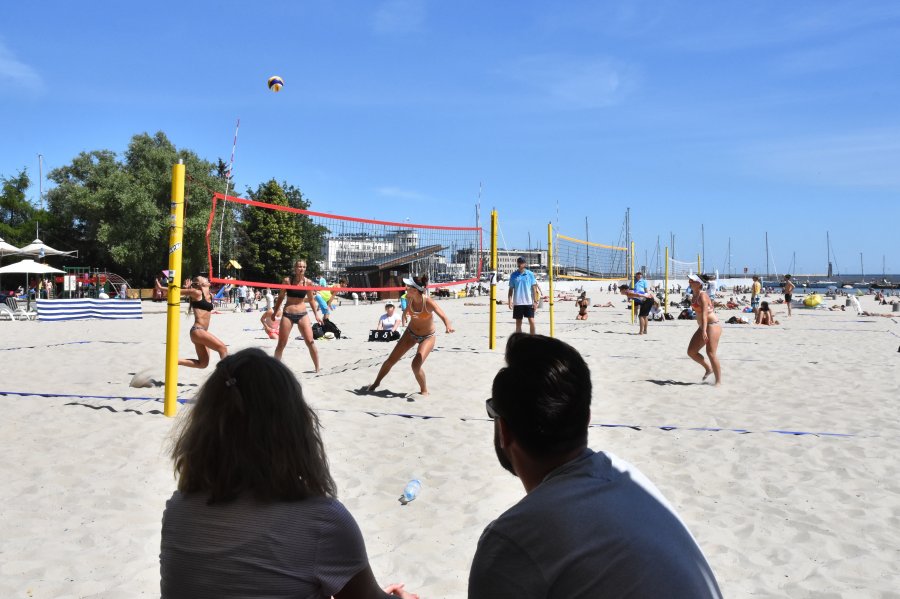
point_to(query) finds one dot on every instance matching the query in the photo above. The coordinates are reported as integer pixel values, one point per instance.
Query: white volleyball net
(577, 259)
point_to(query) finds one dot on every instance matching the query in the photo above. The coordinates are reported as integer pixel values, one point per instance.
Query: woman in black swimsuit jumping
(201, 304)
(296, 312)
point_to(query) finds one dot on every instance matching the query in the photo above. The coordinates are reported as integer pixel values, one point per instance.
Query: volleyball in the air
(276, 83)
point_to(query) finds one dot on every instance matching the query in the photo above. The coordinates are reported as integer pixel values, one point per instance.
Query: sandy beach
(777, 513)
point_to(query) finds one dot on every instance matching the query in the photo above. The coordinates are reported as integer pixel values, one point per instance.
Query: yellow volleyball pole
(493, 326)
(550, 272)
(666, 290)
(699, 266)
(176, 228)
(632, 280)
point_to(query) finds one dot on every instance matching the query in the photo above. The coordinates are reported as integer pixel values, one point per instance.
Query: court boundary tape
(376, 414)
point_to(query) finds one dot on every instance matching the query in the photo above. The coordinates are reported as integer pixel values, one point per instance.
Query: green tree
(273, 239)
(116, 213)
(17, 216)
(312, 235)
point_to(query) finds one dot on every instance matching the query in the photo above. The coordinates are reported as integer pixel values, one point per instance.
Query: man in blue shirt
(642, 305)
(523, 295)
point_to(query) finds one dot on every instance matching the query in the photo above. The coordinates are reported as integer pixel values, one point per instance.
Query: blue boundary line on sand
(64, 343)
(636, 427)
(81, 396)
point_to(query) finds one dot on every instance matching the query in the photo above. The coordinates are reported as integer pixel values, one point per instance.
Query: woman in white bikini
(420, 309)
(201, 305)
(296, 312)
(708, 331)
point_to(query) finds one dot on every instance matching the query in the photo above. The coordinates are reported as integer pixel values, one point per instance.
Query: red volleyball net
(262, 241)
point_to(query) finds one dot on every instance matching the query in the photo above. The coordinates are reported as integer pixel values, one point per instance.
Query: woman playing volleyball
(708, 331)
(421, 310)
(296, 312)
(201, 304)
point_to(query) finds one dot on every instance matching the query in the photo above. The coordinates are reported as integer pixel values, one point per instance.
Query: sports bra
(202, 304)
(422, 314)
(298, 293)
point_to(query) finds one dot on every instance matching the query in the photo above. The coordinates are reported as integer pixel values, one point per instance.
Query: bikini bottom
(419, 338)
(294, 317)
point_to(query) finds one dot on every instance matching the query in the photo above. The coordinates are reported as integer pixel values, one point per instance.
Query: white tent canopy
(6, 248)
(39, 248)
(30, 267)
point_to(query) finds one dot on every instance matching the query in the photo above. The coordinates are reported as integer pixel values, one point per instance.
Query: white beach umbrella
(30, 267)
(39, 248)
(7, 248)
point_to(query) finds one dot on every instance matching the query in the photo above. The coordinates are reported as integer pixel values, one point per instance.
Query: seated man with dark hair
(591, 525)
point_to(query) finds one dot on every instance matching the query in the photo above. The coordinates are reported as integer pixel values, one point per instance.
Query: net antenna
(352, 254)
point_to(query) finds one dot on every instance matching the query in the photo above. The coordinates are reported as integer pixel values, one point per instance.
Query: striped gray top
(246, 548)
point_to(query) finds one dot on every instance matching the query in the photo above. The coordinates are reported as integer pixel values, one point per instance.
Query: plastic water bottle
(411, 491)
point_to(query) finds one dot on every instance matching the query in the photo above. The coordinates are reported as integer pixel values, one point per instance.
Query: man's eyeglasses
(491, 412)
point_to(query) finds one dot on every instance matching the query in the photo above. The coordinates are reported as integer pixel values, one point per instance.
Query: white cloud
(400, 16)
(400, 194)
(569, 82)
(15, 74)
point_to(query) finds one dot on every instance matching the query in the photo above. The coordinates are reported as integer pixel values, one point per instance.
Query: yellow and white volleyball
(276, 83)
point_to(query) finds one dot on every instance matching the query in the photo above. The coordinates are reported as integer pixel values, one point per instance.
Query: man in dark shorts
(642, 304)
(523, 295)
(788, 292)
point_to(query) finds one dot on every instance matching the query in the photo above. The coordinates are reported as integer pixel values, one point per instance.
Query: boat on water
(885, 284)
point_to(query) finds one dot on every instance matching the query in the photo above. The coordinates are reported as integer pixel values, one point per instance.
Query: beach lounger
(18, 312)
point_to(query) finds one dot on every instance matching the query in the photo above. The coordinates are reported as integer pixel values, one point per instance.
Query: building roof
(396, 259)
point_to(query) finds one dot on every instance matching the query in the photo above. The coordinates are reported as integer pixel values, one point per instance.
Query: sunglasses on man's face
(489, 406)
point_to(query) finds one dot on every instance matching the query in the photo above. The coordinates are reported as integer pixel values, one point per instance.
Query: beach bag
(317, 330)
(332, 328)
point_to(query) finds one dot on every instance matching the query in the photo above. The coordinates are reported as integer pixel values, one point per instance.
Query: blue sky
(746, 117)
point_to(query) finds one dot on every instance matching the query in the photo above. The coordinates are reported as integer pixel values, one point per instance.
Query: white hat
(411, 283)
(696, 279)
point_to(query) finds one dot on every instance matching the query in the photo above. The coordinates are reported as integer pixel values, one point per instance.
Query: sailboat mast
(767, 254)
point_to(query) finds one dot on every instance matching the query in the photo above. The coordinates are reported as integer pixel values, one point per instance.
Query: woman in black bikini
(582, 305)
(203, 340)
(420, 309)
(296, 312)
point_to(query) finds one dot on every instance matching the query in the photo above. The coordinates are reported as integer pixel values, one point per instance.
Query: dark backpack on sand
(330, 327)
(317, 330)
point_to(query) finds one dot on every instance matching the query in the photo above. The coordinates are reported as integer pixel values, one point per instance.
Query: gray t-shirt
(594, 528)
(247, 548)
